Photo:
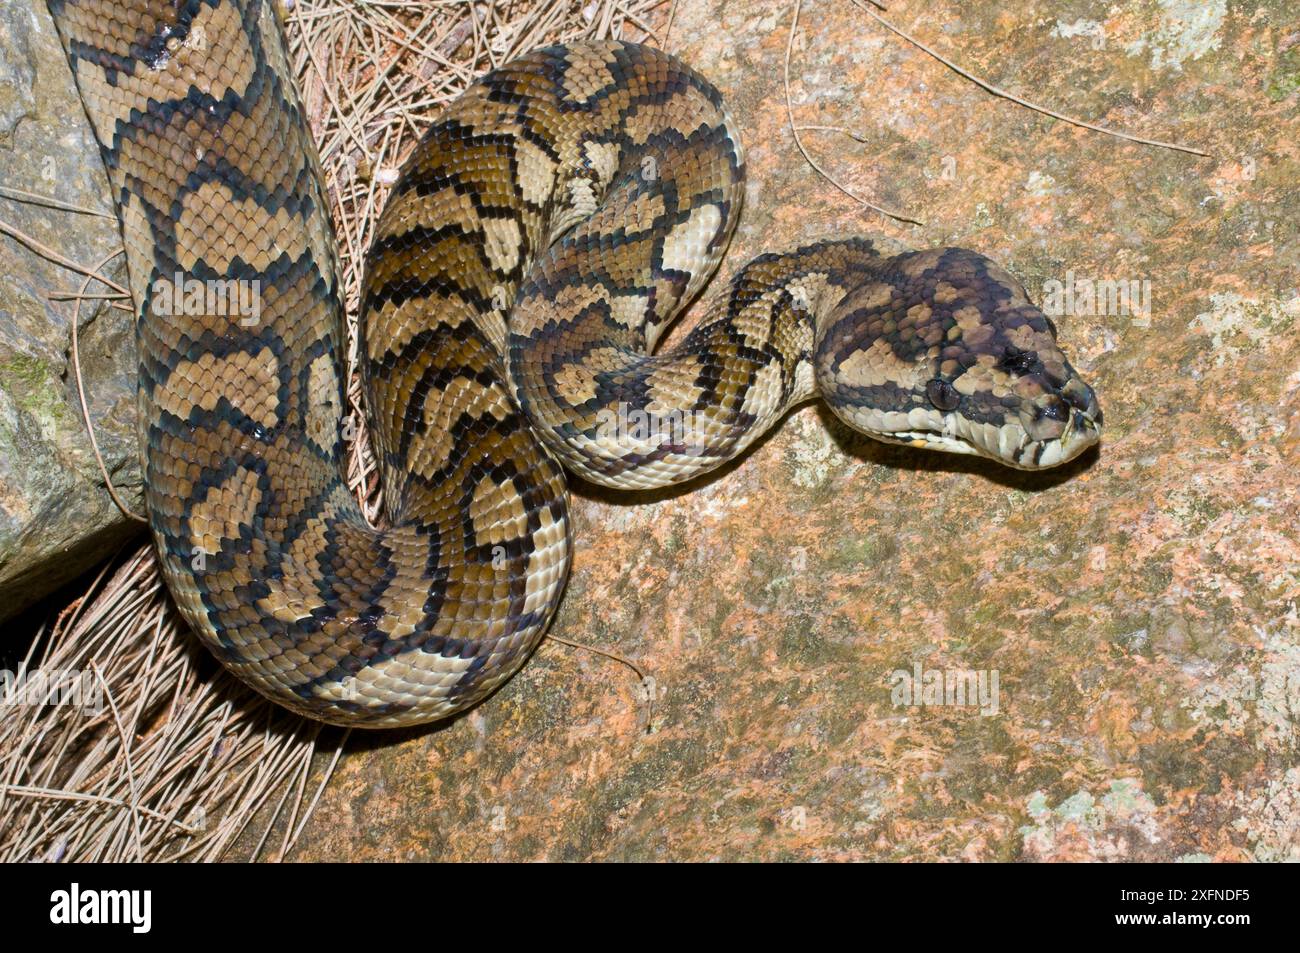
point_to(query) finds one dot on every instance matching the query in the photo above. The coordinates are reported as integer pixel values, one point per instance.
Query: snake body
(549, 227)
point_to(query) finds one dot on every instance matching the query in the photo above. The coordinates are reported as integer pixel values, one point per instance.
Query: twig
(320, 789)
(134, 804)
(614, 656)
(794, 130)
(997, 91)
(35, 198)
(81, 394)
(24, 790)
(672, 15)
(46, 252)
(855, 136)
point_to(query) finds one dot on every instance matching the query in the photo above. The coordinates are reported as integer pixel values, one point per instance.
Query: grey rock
(56, 517)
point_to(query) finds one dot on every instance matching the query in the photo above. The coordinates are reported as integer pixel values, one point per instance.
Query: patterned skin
(547, 230)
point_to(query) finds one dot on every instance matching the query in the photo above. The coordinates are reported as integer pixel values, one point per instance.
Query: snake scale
(549, 227)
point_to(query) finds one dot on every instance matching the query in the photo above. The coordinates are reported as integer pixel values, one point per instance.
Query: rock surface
(1139, 608)
(56, 518)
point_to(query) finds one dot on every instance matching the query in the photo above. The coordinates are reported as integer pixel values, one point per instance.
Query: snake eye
(942, 394)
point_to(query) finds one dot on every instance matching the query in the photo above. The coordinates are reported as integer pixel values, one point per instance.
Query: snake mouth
(1010, 443)
(1082, 430)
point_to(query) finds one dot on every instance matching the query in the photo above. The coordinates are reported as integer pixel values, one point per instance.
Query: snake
(548, 228)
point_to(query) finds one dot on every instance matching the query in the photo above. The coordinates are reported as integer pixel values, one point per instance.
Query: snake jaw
(1012, 443)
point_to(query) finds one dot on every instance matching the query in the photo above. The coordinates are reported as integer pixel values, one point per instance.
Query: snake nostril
(1056, 410)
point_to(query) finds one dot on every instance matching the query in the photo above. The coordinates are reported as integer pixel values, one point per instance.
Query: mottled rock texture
(1139, 608)
(56, 518)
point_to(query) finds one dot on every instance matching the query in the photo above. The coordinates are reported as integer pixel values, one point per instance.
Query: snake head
(943, 349)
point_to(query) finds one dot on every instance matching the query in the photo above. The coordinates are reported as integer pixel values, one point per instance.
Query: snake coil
(549, 227)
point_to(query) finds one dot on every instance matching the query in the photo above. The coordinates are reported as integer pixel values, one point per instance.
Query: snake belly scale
(549, 227)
